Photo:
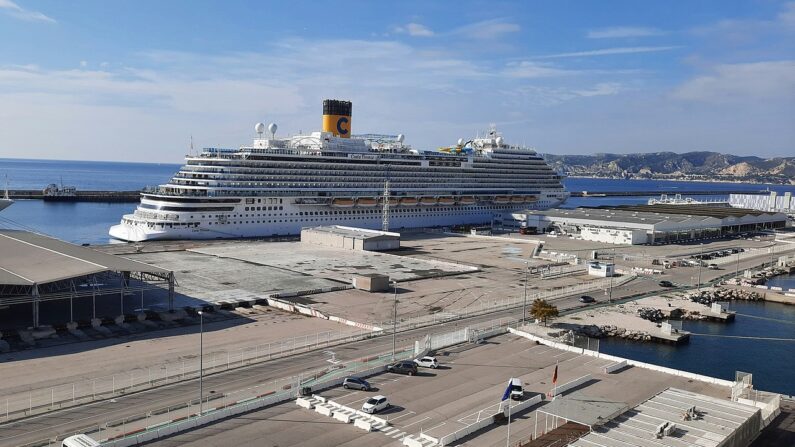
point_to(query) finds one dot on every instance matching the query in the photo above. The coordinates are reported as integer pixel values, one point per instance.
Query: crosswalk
(379, 427)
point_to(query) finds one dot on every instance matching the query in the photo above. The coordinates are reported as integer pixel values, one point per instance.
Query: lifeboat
(466, 200)
(409, 201)
(393, 201)
(342, 203)
(427, 201)
(367, 201)
(446, 201)
(502, 199)
(517, 199)
(530, 199)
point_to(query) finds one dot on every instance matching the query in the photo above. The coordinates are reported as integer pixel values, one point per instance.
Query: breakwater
(135, 196)
(79, 196)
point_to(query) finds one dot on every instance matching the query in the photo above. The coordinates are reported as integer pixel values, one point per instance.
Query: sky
(136, 80)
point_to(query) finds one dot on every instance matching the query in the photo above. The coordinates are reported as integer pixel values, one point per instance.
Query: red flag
(555, 375)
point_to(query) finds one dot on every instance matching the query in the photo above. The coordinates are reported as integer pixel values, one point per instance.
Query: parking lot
(471, 378)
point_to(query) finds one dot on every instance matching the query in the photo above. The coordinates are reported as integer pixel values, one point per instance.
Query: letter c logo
(340, 122)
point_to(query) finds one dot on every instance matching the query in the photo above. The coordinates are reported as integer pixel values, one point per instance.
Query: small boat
(466, 200)
(57, 193)
(409, 201)
(446, 201)
(517, 199)
(427, 201)
(502, 199)
(367, 201)
(342, 203)
(393, 201)
(530, 199)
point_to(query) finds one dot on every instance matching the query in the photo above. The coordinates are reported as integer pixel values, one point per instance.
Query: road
(76, 419)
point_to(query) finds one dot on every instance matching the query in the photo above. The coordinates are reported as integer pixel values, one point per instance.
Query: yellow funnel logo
(339, 125)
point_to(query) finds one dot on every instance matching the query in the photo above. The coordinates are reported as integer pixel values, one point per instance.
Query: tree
(542, 310)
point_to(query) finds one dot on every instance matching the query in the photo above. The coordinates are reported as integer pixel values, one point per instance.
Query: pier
(659, 192)
(79, 196)
(135, 196)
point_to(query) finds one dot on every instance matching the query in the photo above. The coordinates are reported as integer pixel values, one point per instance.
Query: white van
(80, 440)
(517, 392)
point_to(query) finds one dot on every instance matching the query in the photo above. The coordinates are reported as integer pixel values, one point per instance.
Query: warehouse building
(775, 202)
(649, 224)
(350, 238)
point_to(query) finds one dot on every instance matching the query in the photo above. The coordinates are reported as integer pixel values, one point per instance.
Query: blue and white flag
(507, 392)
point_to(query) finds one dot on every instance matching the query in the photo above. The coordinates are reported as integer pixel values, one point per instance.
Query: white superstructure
(276, 186)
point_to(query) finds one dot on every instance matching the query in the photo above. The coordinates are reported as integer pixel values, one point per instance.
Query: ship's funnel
(337, 117)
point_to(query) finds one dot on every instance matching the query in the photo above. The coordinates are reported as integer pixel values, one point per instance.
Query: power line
(744, 337)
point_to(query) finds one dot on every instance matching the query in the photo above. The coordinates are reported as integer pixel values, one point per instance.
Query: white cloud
(738, 83)
(622, 32)
(601, 89)
(18, 12)
(609, 51)
(787, 15)
(529, 70)
(487, 29)
(415, 30)
(83, 64)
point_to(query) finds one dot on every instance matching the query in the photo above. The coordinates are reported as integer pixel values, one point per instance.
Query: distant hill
(670, 165)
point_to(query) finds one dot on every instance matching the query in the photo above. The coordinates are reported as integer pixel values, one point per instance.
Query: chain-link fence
(37, 401)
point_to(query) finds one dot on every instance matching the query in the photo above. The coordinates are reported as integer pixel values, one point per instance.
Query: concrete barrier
(411, 442)
(304, 403)
(323, 409)
(615, 367)
(342, 417)
(663, 369)
(558, 390)
(364, 425)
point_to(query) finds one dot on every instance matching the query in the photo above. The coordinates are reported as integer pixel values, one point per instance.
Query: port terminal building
(774, 202)
(648, 224)
(45, 281)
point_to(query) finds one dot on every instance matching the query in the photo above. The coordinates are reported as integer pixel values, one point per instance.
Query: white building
(350, 238)
(649, 224)
(762, 202)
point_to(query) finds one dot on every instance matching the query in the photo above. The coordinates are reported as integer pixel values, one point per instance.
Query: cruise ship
(277, 186)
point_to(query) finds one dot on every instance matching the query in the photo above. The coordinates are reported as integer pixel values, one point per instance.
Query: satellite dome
(272, 128)
(499, 141)
(460, 141)
(259, 128)
(400, 138)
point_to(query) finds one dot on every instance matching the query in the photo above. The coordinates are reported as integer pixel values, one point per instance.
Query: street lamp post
(524, 305)
(613, 273)
(201, 361)
(700, 263)
(394, 320)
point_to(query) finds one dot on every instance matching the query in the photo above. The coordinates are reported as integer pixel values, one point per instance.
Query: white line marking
(562, 353)
(435, 426)
(407, 414)
(416, 422)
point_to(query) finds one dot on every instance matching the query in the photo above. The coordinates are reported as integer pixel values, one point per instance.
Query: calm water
(769, 361)
(89, 222)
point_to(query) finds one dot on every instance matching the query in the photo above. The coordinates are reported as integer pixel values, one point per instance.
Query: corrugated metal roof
(718, 421)
(29, 258)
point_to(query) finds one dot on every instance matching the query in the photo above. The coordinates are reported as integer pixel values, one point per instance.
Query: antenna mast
(385, 209)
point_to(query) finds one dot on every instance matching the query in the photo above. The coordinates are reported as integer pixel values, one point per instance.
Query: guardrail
(38, 401)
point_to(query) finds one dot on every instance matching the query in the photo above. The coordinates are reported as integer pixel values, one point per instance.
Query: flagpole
(508, 442)
(555, 389)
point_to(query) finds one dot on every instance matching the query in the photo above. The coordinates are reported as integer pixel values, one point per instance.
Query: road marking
(347, 395)
(402, 415)
(562, 353)
(435, 426)
(355, 401)
(391, 431)
(416, 422)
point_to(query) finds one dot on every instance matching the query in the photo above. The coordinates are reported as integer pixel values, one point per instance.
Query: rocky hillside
(670, 165)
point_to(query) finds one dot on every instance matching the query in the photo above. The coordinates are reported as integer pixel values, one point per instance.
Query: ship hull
(275, 224)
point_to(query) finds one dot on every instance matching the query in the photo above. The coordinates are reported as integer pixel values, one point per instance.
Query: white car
(427, 362)
(375, 404)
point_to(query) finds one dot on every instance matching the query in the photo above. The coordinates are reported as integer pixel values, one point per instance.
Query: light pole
(201, 361)
(394, 321)
(524, 305)
(737, 268)
(700, 263)
(613, 273)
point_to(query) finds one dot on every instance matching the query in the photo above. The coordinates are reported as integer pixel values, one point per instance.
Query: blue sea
(769, 361)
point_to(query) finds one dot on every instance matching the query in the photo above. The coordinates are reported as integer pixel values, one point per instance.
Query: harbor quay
(269, 301)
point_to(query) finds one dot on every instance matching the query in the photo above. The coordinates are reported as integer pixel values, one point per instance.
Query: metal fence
(273, 391)
(488, 304)
(37, 401)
